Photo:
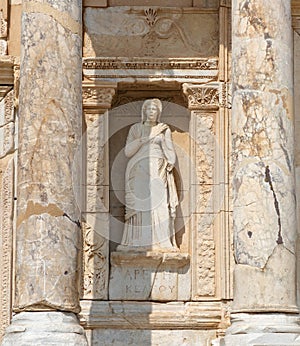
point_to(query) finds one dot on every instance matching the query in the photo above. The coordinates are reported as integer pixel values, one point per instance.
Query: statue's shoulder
(136, 129)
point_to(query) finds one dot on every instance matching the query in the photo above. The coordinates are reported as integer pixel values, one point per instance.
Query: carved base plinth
(44, 328)
(262, 329)
(150, 258)
(150, 275)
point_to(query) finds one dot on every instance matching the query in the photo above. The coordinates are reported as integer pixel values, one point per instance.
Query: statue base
(149, 275)
(44, 328)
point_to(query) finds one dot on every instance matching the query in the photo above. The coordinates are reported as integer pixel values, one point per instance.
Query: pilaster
(97, 99)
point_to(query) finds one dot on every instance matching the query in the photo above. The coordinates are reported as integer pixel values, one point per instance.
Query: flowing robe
(150, 191)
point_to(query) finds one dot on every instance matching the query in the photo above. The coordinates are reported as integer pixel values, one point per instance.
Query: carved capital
(98, 96)
(207, 96)
(203, 96)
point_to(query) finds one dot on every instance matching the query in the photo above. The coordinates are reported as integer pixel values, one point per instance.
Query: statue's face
(152, 112)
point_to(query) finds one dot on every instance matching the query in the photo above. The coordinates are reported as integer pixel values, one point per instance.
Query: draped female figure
(150, 192)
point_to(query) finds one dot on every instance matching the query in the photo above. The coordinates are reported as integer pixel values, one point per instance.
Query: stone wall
(134, 50)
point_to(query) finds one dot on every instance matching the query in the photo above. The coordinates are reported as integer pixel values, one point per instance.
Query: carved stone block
(153, 276)
(6, 239)
(95, 256)
(147, 31)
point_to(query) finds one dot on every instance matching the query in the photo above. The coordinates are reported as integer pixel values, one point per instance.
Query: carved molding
(6, 71)
(98, 96)
(149, 315)
(151, 63)
(145, 70)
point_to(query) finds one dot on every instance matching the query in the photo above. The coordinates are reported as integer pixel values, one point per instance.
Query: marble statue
(150, 192)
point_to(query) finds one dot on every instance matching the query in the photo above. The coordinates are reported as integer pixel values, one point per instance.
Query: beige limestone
(95, 3)
(169, 3)
(152, 337)
(14, 42)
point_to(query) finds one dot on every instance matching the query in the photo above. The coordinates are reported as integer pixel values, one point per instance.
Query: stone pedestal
(48, 228)
(44, 328)
(152, 275)
(263, 176)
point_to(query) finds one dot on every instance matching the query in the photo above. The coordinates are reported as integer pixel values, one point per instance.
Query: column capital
(209, 96)
(98, 96)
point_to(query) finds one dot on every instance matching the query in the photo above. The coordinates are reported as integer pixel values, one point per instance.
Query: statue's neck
(150, 123)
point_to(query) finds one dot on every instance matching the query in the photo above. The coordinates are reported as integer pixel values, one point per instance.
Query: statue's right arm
(133, 142)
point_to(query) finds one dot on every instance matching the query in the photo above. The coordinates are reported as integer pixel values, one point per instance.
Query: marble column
(264, 308)
(48, 228)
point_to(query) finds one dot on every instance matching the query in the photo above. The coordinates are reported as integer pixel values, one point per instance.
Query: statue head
(148, 104)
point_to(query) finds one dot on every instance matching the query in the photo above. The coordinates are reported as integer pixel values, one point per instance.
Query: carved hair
(158, 105)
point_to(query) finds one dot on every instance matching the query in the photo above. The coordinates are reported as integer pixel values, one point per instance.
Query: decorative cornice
(98, 96)
(144, 70)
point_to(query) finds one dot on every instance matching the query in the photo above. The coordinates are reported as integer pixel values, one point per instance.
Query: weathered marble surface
(297, 143)
(266, 329)
(153, 315)
(150, 337)
(144, 31)
(7, 193)
(95, 256)
(150, 276)
(97, 100)
(44, 328)
(263, 181)
(48, 221)
(3, 27)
